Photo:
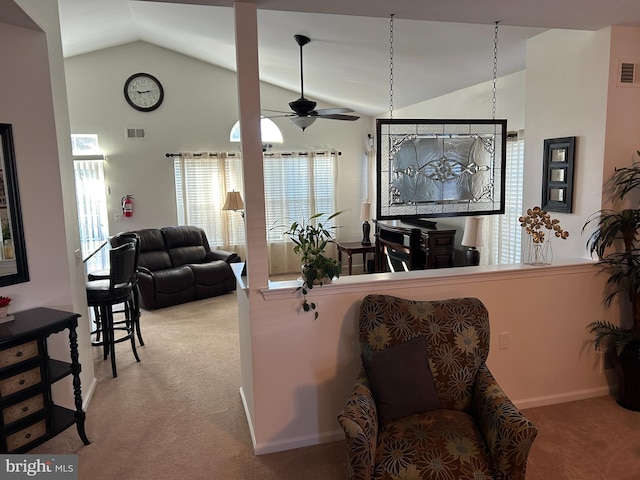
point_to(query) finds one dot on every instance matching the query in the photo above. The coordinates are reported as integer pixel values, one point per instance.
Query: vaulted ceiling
(439, 46)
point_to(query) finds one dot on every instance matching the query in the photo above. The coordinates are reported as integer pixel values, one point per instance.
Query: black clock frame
(131, 102)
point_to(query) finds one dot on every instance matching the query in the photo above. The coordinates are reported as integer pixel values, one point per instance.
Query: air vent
(629, 73)
(135, 133)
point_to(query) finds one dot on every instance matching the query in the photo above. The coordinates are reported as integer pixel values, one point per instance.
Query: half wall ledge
(434, 277)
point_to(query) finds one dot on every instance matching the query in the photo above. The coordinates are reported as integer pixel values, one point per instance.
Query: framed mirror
(13, 254)
(557, 174)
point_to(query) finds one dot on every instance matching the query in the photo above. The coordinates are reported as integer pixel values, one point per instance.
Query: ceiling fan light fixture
(302, 122)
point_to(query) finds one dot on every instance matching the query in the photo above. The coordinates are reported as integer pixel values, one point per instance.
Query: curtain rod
(169, 155)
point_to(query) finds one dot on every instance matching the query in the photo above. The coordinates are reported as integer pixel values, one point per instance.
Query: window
(91, 200)
(202, 180)
(506, 228)
(297, 185)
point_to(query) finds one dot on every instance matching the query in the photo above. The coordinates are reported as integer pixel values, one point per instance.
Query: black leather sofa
(176, 265)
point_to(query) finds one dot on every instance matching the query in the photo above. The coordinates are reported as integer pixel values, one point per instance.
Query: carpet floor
(178, 415)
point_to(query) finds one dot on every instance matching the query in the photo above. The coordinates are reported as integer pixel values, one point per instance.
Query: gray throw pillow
(401, 380)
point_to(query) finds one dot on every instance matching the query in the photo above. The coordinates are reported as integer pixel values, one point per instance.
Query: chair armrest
(229, 257)
(507, 432)
(359, 420)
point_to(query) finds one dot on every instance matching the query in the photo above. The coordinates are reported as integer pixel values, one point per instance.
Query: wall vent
(629, 73)
(135, 133)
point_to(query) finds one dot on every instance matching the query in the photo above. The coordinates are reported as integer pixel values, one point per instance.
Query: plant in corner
(620, 228)
(311, 238)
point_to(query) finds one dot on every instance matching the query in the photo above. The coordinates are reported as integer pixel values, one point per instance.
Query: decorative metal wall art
(440, 168)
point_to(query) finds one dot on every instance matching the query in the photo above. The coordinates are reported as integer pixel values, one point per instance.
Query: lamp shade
(365, 211)
(302, 122)
(471, 229)
(233, 201)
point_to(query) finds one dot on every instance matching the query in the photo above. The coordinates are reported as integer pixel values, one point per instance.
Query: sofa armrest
(229, 257)
(359, 420)
(507, 432)
(146, 286)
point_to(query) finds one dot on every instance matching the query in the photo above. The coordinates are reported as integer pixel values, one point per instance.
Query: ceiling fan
(303, 112)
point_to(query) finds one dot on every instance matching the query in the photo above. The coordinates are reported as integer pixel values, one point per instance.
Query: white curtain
(202, 181)
(297, 186)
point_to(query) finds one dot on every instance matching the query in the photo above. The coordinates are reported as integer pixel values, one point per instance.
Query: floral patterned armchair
(472, 431)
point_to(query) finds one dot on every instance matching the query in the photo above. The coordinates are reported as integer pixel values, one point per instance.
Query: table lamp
(470, 240)
(365, 215)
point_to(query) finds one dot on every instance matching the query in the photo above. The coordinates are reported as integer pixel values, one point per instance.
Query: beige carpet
(178, 415)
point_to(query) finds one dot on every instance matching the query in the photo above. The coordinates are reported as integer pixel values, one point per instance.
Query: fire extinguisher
(127, 206)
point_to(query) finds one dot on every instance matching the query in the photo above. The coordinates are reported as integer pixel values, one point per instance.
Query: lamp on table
(470, 240)
(365, 215)
(234, 202)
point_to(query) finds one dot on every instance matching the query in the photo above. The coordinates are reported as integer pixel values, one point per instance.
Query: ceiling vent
(135, 133)
(629, 73)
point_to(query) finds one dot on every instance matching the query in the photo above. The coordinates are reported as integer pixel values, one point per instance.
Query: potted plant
(4, 305)
(620, 228)
(311, 238)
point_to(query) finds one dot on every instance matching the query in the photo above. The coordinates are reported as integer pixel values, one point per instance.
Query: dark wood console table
(416, 248)
(354, 247)
(28, 415)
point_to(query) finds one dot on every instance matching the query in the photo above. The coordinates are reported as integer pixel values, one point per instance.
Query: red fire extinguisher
(127, 206)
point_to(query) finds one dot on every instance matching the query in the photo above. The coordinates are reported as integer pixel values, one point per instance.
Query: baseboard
(88, 394)
(247, 414)
(562, 397)
(297, 442)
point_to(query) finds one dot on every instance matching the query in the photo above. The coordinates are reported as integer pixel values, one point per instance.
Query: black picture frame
(557, 174)
(433, 168)
(12, 204)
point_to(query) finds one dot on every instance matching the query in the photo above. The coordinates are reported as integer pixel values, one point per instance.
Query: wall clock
(143, 92)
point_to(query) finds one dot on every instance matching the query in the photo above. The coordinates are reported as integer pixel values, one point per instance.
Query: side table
(29, 415)
(354, 247)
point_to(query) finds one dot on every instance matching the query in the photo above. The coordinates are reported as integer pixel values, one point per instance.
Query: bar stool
(117, 289)
(132, 313)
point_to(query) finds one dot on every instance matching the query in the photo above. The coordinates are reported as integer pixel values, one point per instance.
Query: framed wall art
(440, 168)
(557, 174)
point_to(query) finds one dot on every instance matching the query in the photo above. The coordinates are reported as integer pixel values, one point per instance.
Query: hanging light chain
(495, 71)
(391, 67)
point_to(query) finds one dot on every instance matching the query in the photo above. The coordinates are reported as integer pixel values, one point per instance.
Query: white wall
(298, 392)
(198, 111)
(33, 100)
(622, 139)
(567, 96)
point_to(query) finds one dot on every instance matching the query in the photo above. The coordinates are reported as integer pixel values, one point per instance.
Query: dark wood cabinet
(28, 414)
(405, 247)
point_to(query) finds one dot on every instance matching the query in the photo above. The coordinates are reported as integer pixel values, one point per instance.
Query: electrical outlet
(117, 217)
(78, 256)
(503, 340)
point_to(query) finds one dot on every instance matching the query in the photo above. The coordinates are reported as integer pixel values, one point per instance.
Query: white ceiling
(439, 45)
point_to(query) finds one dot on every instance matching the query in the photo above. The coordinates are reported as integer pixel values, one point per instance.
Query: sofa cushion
(401, 380)
(443, 444)
(174, 280)
(185, 244)
(153, 255)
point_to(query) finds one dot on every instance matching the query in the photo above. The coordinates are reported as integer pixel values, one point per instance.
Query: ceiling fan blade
(275, 111)
(338, 116)
(332, 111)
(282, 115)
